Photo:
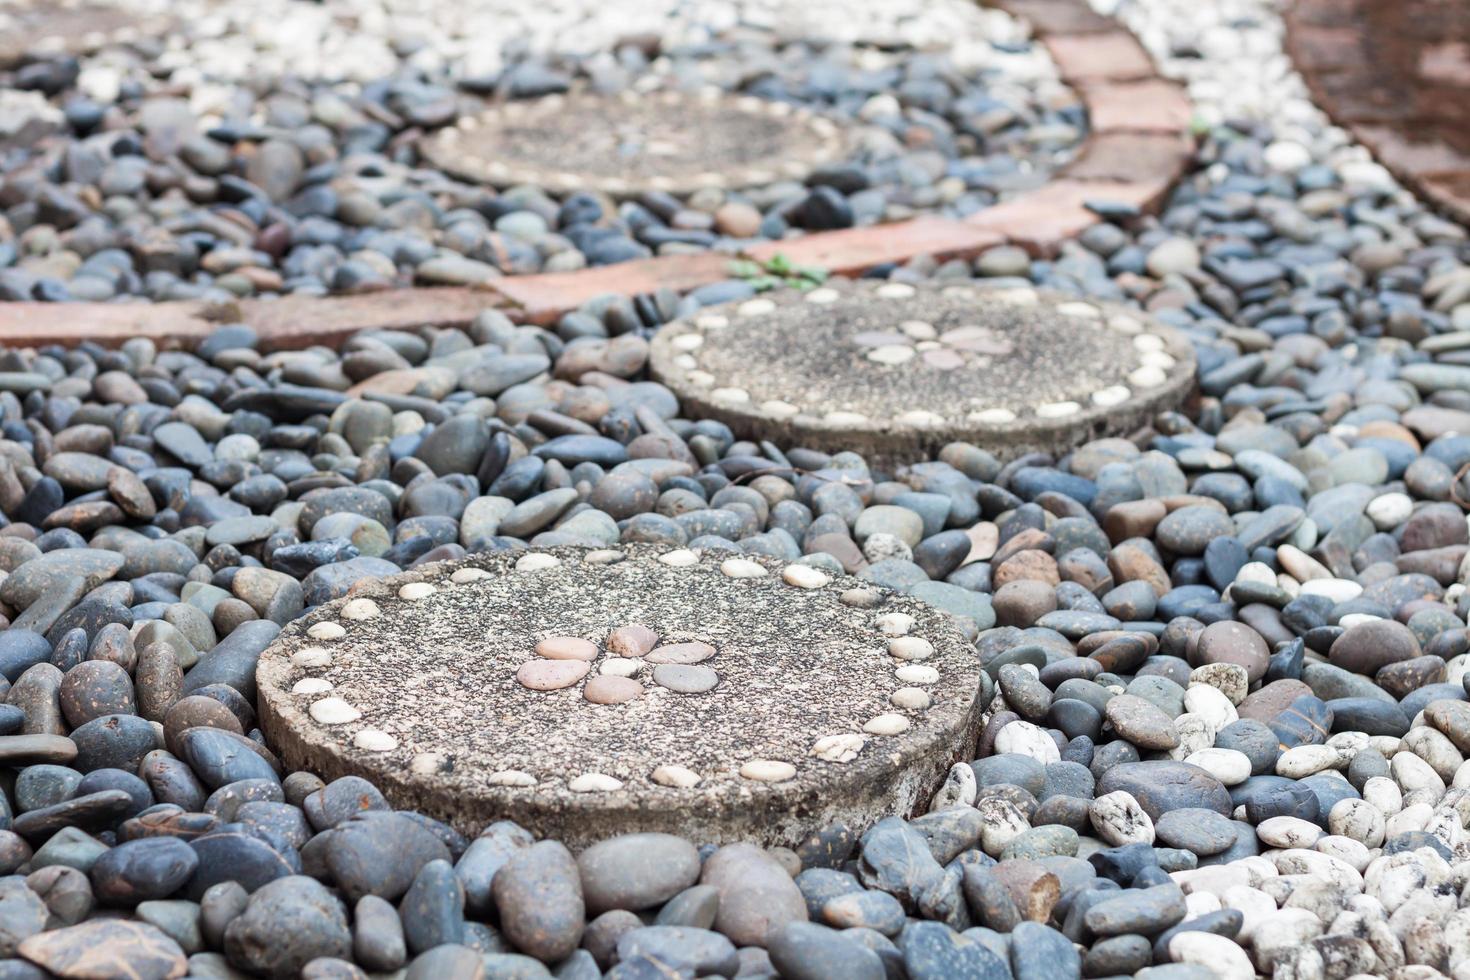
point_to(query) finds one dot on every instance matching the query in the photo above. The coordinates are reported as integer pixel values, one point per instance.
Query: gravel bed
(1224, 660)
(274, 148)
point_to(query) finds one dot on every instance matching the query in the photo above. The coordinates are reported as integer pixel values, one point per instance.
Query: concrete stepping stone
(895, 371)
(436, 686)
(632, 143)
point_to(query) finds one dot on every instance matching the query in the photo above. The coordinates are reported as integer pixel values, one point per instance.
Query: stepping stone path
(585, 694)
(895, 371)
(53, 27)
(673, 142)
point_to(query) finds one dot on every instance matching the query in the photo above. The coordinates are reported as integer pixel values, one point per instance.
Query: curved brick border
(1138, 145)
(1397, 76)
(51, 27)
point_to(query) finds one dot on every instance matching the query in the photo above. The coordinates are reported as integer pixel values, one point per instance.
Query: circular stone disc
(424, 696)
(628, 144)
(50, 27)
(895, 371)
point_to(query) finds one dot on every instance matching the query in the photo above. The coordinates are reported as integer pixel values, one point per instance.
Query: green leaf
(744, 269)
(779, 265)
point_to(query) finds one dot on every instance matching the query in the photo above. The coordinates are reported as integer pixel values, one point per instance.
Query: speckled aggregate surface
(675, 142)
(437, 675)
(899, 369)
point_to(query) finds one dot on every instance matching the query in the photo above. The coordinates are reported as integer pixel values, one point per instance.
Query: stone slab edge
(1435, 172)
(1138, 146)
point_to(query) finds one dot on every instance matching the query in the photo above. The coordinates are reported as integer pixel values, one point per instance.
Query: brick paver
(1397, 75)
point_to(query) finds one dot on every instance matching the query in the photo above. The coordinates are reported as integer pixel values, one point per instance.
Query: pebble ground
(271, 150)
(1226, 659)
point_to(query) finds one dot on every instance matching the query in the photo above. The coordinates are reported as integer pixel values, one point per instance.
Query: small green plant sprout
(776, 272)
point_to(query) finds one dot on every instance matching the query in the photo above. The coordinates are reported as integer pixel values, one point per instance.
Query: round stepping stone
(1013, 369)
(76, 27)
(779, 712)
(632, 143)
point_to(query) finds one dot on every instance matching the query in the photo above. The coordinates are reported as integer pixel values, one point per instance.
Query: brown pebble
(196, 711)
(159, 679)
(608, 689)
(1031, 565)
(551, 675)
(230, 613)
(566, 648)
(682, 653)
(94, 688)
(631, 641)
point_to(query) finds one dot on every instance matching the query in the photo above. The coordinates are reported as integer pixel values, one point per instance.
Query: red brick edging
(1137, 146)
(1397, 76)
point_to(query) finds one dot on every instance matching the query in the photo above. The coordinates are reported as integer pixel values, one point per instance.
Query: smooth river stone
(551, 675)
(685, 678)
(631, 641)
(566, 648)
(682, 653)
(610, 689)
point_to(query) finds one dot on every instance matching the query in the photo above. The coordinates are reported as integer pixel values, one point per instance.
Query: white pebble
(1412, 772)
(536, 563)
(461, 576)
(620, 666)
(413, 591)
(768, 771)
(1024, 738)
(805, 577)
(360, 609)
(1389, 510)
(1336, 589)
(891, 354)
(889, 724)
(910, 648)
(910, 699)
(676, 776)
(1288, 832)
(1229, 766)
(1057, 410)
(594, 782)
(918, 674)
(1211, 705)
(841, 747)
(326, 631)
(1357, 820)
(682, 558)
(1218, 954)
(742, 568)
(895, 624)
(511, 777)
(309, 658)
(1384, 795)
(373, 740)
(756, 307)
(959, 788)
(1301, 761)
(1119, 819)
(311, 685)
(334, 711)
